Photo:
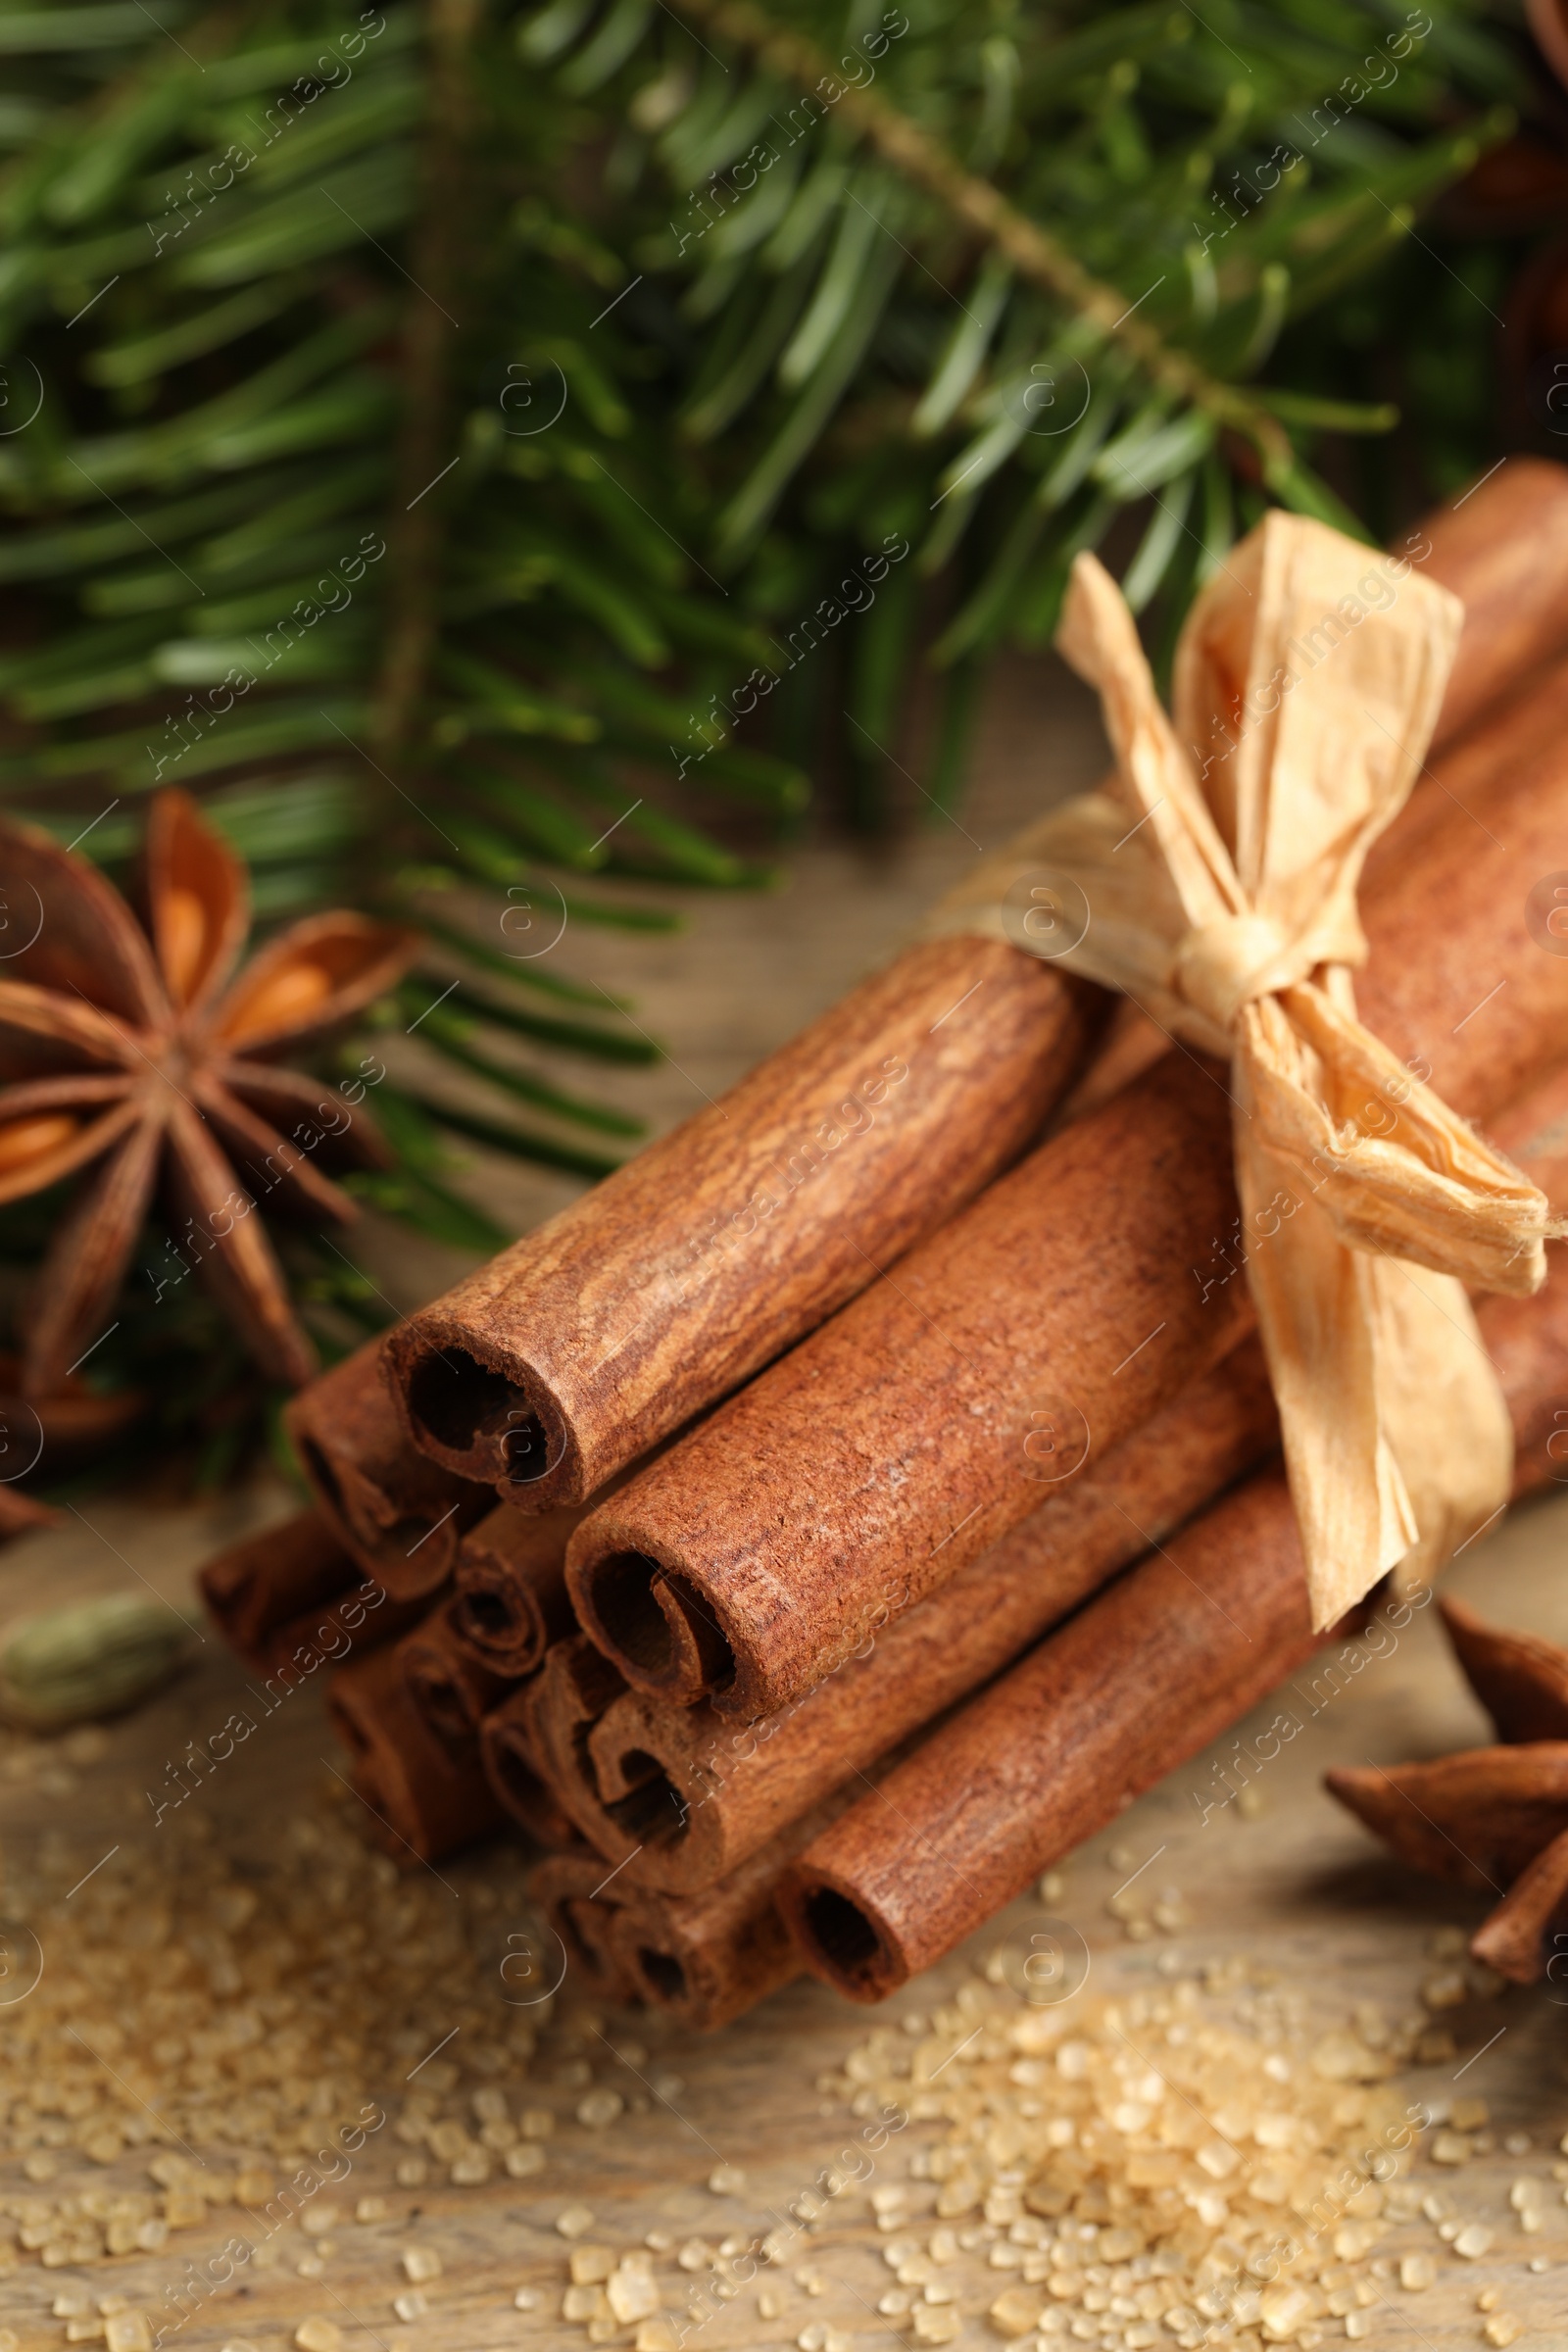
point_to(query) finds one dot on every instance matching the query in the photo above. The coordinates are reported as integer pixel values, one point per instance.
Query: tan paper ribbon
(1222, 900)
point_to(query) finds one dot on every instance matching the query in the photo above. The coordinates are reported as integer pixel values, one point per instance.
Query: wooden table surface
(1287, 1883)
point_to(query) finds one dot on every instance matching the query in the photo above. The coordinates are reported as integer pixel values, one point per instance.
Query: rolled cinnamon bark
(700, 1958)
(1081, 1292)
(1136, 1684)
(1502, 548)
(719, 1794)
(580, 1346)
(291, 1599)
(706, 1958)
(511, 1578)
(564, 1887)
(420, 1801)
(398, 1512)
(264, 1581)
(547, 1727)
(583, 1345)
(452, 1689)
(680, 1797)
(511, 1763)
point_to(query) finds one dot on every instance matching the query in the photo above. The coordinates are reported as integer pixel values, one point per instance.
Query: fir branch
(1036, 255)
(428, 327)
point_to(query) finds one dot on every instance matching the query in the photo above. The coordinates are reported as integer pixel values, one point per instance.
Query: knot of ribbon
(1232, 962)
(1215, 873)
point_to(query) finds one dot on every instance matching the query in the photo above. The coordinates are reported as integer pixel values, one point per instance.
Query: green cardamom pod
(96, 1657)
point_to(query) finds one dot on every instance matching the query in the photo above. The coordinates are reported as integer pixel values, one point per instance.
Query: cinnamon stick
(1504, 550)
(399, 1514)
(511, 1578)
(675, 1797)
(563, 1886)
(510, 1762)
(703, 1959)
(580, 1346)
(420, 1801)
(452, 1688)
(1084, 1289)
(1137, 1683)
(290, 1600)
(583, 1345)
(721, 1793)
(262, 1583)
(706, 1958)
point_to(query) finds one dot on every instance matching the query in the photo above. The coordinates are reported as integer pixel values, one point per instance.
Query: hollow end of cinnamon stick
(565, 1887)
(510, 1765)
(649, 1617)
(499, 1621)
(641, 1799)
(700, 1971)
(401, 1516)
(264, 1583)
(842, 1942)
(486, 1418)
(420, 1802)
(411, 1546)
(511, 1601)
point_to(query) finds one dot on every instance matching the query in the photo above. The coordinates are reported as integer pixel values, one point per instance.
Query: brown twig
(428, 328)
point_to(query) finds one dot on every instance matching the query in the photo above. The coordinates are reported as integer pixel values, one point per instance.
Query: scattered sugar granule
(1473, 2240)
(935, 2327)
(591, 2265)
(420, 2263)
(573, 2221)
(1502, 2329)
(633, 2293)
(726, 2181)
(411, 2304)
(317, 2335)
(658, 2335)
(526, 2298)
(599, 2108)
(1417, 2272)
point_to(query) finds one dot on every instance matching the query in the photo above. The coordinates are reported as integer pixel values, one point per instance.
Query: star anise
(136, 1051)
(1495, 1818)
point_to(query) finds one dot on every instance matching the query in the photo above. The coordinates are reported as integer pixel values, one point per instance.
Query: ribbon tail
(1441, 1408)
(1317, 1321)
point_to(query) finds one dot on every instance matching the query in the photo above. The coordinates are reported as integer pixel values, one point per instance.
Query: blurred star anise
(135, 1051)
(1495, 1818)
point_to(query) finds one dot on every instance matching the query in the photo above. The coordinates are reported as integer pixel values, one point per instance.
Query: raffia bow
(1221, 892)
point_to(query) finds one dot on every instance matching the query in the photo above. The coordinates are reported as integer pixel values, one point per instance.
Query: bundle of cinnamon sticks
(803, 1604)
